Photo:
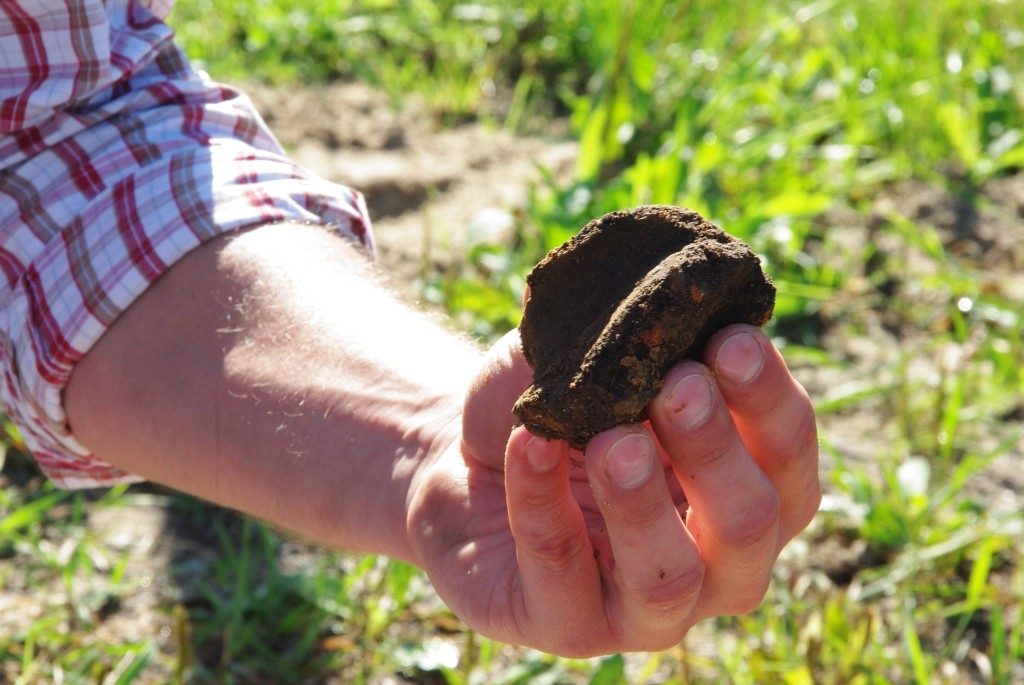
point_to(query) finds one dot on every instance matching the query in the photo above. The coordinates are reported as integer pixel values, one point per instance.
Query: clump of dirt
(610, 311)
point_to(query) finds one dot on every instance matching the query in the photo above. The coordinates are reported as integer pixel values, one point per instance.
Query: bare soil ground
(424, 185)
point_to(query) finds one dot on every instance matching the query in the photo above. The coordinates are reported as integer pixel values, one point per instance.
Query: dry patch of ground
(425, 186)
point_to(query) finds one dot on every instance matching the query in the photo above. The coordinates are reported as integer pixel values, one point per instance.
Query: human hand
(533, 543)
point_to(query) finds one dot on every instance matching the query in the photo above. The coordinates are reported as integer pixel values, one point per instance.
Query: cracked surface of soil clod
(614, 308)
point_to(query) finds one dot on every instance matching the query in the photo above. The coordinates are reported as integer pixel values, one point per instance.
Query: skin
(274, 372)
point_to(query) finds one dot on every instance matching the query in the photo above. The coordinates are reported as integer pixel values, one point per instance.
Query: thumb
(487, 418)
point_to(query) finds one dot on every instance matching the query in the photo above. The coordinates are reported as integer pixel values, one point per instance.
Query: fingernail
(739, 359)
(542, 455)
(630, 461)
(689, 402)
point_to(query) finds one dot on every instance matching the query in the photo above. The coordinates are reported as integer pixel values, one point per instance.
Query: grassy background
(780, 121)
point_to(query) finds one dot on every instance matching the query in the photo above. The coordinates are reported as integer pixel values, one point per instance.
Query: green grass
(781, 121)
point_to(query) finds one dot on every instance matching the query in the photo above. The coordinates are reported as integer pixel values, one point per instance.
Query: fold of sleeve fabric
(116, 159)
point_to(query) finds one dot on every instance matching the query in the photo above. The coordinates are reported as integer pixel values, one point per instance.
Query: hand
(536, 544)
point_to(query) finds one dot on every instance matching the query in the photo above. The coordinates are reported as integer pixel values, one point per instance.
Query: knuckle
(559, 552)
(810, 504)
(801, 468)
(670, 592)
(749, 599)
(757, 525)
(803, 444)
(660, 639)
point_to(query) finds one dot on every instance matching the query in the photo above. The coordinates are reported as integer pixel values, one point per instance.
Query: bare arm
(271, 372)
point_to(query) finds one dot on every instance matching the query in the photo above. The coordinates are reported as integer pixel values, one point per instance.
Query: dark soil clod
(611, 310)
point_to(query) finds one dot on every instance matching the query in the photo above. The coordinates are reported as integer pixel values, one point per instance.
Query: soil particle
(613, 309)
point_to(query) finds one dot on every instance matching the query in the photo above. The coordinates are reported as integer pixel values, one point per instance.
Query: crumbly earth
(610, 311)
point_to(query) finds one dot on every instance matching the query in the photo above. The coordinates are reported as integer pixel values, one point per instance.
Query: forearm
(271, 373)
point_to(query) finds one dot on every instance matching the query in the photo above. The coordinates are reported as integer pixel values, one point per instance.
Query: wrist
(436, 445)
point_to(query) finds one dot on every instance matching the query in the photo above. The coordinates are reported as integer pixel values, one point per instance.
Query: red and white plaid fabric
(116, 159)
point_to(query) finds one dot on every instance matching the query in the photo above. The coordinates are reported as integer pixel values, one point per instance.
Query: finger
(734, 508)
(487, 417)
(559, 575)
(656, 569)
(774, 416)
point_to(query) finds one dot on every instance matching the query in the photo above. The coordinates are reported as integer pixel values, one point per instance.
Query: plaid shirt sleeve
(116, 159)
